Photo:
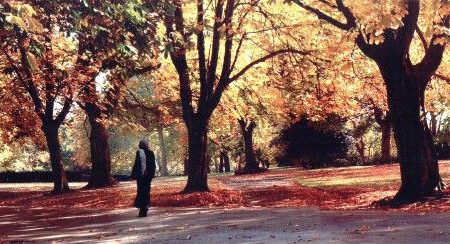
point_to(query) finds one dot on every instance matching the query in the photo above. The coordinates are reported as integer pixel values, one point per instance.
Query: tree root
(56, 193)
(188, 191)
(92, 184)
(401, 200)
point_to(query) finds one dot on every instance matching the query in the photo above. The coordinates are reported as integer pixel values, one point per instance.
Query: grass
(359, 176)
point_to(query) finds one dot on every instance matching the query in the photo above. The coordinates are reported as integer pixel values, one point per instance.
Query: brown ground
(337, 188)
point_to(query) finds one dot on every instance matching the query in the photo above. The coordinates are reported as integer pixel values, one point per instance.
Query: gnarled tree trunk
(405, 83)
(60, 184)
(418, 162)
(100, 151)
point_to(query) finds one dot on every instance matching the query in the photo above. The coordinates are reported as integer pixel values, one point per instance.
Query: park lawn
(334, 188)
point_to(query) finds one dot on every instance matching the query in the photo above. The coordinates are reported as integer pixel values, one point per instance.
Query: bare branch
(238, 49)
(442, 77)
(323, 16)
(264, 58)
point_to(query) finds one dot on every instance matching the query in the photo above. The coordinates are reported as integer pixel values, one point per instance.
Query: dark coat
(143, 181)
(151, 165)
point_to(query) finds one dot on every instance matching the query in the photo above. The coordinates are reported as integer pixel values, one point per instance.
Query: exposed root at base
(188, 191)
(398, 201)
(64, 191)
(93, 185)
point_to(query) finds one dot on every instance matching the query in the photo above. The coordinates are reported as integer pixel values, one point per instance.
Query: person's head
(143, 144)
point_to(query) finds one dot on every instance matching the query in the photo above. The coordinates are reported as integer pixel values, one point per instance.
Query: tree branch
(442, 77)
(201, 53)
(179, 60)
(225, 81)
(65, 110)
(433, 56)
(422, 38)
(226, 67)
(264, 58)
(323, 16)
(213, 60)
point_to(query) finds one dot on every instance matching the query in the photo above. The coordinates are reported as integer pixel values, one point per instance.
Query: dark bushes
(313, 145)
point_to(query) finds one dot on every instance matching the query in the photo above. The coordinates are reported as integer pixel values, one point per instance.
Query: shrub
(312, 145)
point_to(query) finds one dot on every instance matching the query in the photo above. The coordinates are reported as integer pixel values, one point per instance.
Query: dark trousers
(142, 200)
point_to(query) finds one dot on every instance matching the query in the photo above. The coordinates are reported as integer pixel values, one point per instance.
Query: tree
(386, 39)
(384, 121)
(251, 163)
(36, 65)
(153, 108)
(107, 61)
(224, 161)
(212, 83)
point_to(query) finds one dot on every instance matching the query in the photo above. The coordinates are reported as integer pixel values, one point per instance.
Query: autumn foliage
(227, 84)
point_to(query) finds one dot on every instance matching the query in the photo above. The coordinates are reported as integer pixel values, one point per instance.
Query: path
(242, 225)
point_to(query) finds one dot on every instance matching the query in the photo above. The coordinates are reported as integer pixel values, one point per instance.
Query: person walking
(143, 172)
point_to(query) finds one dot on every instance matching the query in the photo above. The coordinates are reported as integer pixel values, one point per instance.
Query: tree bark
(405, 83)
(60, 183)
(100, 151)
(417, 155)
(251, 163)
(185, 166)
(197, 158)
(162, 144)
(386, 141)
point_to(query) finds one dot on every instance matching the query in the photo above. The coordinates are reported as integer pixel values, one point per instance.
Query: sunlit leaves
(22, 15)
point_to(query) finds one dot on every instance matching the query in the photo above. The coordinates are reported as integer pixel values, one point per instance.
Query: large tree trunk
(100, 151)
(162, 145)
(197, 159)
(251, 163)
(386, 141)
(60, 184)
(418, 162)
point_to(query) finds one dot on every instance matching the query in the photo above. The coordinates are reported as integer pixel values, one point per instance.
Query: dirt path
(242, 225)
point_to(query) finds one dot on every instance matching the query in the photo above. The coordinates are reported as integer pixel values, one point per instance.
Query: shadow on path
(249, 225)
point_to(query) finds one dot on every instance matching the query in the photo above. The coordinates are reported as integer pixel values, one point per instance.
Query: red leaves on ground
(343, 188)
